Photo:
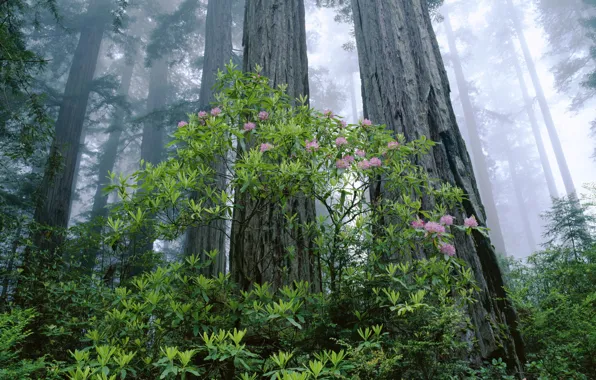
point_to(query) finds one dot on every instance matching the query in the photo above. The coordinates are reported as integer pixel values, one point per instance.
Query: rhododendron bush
(394, 294)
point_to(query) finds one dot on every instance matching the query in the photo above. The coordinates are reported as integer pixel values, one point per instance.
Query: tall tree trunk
(275, 39)
(151, 153)
(108, 157)
(548, 119)
(519, 197)
(218, 53)
(405, 86)
(53, 206)
(481, 167)
(353, 101)
(548, 173)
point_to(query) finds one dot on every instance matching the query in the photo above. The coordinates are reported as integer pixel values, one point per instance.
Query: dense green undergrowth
(392, 296)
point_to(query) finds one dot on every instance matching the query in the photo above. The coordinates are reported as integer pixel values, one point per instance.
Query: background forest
(300, 189)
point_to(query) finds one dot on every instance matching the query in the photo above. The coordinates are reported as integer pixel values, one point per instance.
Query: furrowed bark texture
(405, 86)
(275, 39)
(481, 167)
(53, 207)
(218, 52)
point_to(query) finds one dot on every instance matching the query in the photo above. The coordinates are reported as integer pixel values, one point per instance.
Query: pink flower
(263, 115)
(312, 145)
(471, 222)
(418, 224)
(202, 114)
(364, 164)
(343, 124)
(434, 227)
(349, 159)
(393, 145)
(182, 124)
(265, 147)
(216, 111)
(341, 141)
(447, 249)
(360, 153)
(249, 126)
(328, 113)
(375, 162)
(366, 123)
(341, 164)
(446, 220)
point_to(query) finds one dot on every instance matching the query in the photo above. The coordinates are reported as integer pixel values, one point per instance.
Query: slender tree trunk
(481, 167)
(218, 53)
(53, 207)
(548, 119)
(275, 39)
(405, 86)
(548, 173)
(107, 160)
(521, 202)
(151, 153)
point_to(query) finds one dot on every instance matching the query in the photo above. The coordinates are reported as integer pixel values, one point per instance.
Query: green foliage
(12, 333)
(555, 296)
(393, 304)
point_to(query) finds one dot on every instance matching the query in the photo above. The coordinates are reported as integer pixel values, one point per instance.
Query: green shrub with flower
(394, 296)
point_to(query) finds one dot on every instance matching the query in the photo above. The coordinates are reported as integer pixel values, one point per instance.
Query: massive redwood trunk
(218, 52)
(275, 39)
(53, 205)
(405, 86)
(481, 166)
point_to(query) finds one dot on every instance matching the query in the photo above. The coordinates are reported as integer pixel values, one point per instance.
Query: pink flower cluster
(342, 164)
(434, 228)
(182, 124)
(366, 123)
(375, 162)
(263, 115)
(447, 249)
(471, 222)
(312, 145)
(341, 141)
(202, 114)
(393, 145)
(265, 147)
(216, 111)
(418, 224)
(328, 113)
(446, 220)
(349, 159)
(249, 126)
(343, 124)
(364, 164)
(360, 153)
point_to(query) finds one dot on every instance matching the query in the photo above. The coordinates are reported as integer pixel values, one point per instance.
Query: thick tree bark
(275, 39)
(548, 173)
(546, 114)
(53, 207)
(405, 86)
(481, 167)
(218, 53)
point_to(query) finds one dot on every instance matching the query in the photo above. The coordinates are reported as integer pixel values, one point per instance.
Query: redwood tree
(218, 52)
(275, 39)
(405, 86)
